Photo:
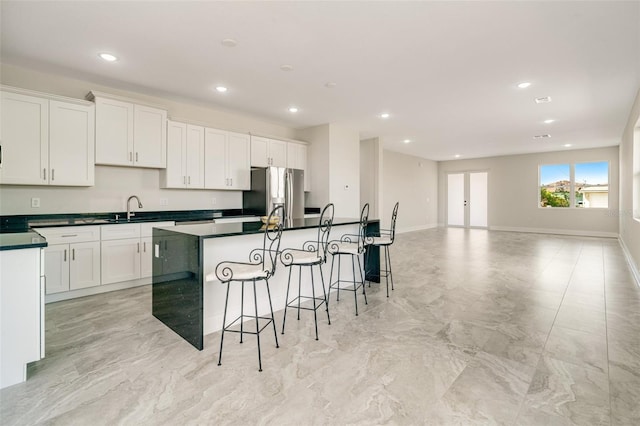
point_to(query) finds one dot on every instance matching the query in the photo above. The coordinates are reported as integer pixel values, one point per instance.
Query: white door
(84, 268)
(146, 259)
(120, 260)
(71, 144)
(56, 267)
(467, 199)
(238, 161)
(215, 173)
(150, 137)
(195, 156)
(114, 132)
(24, 139)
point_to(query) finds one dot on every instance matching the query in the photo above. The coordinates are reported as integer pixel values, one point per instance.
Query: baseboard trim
(571, 232)
(417, 228)
(90, 291)
(635, 272)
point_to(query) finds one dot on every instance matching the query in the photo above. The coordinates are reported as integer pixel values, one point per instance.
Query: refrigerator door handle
(289, 201)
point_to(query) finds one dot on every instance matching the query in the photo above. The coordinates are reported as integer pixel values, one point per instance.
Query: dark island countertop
(214, 230)
(21, 240)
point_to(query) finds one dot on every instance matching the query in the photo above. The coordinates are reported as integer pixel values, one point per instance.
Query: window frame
(572, 185)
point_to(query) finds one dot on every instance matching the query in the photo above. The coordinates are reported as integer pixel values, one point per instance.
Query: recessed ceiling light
(385, 115)
(229, 42)
(330, 85)
(286, 67)
(567, 145)
(543, 100)
(457, 156)
(221, 89)
(293, 109)
(108, 57)
(549, 121)
(524, 85)
(545, 136)
(407, 141)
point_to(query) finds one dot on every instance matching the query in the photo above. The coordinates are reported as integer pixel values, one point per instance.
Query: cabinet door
(84, 268)
(56, 268)
(114, 132)
(71, 144)
(146, 258)
(150, 137)
(278, 153)
(215, 173)
(259, 151)
(175, 176)
(120, 260)
(195, 156)
(24, 133)
(238, 161)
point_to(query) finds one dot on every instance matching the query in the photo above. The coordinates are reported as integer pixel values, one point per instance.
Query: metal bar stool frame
(261, 267)
(353, 245)
(385, 239)
(313, 253)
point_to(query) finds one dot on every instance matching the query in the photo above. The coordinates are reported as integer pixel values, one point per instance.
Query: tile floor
(483, 328)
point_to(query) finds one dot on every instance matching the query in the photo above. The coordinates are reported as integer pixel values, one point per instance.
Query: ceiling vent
(545, 136)
(543, 100)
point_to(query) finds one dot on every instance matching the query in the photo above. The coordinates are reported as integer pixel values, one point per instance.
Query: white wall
(413, 181)
(113, 184)
(513, 193)
(630, 227)
(371, 175)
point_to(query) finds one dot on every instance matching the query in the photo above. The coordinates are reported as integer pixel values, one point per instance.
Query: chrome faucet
(129, 212)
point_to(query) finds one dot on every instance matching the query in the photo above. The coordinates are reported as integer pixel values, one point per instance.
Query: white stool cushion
(384, 240)
(302, 257)
(344, 248)
(244, 271)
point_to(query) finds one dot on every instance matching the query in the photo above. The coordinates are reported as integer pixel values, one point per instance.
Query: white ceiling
(445, 71)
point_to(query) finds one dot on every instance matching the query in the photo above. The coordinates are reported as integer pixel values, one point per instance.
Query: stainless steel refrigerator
(274, 186)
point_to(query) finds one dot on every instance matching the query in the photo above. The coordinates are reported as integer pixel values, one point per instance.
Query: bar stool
(385, 239)
(313, 253)
(261, 267)
(352, 245)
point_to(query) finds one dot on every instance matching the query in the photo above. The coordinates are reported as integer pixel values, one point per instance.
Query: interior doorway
(467, 196)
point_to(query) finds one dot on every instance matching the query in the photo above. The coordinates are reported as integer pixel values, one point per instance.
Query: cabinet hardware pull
(53, 174)
(0, 156)
(69, 235)
(136, 157)
(44, 174)
(184, 180)
(144, 246)
(130, 156)
(138, 247)
(189, 180)
(65, 255)
(73, 254)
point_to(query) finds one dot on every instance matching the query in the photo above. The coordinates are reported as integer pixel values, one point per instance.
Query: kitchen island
(188, 298)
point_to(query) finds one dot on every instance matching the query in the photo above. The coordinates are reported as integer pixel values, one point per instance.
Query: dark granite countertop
(21, 240)
(214, 230)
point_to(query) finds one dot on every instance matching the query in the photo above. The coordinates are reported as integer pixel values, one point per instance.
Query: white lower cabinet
(72, 258)
(127, 252)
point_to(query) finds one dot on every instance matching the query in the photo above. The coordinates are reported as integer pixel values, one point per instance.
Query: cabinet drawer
(70, 234)
(118, 232)
(146, 229)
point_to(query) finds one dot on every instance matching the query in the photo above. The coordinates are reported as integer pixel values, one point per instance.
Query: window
(555, 185)
(583, 185)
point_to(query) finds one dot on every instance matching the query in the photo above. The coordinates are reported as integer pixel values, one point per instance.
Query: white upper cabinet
(46, 140)
(71, 144)
(227, 163)
(297, 159)
(268, 152)
(185, 162)
(128, 134)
